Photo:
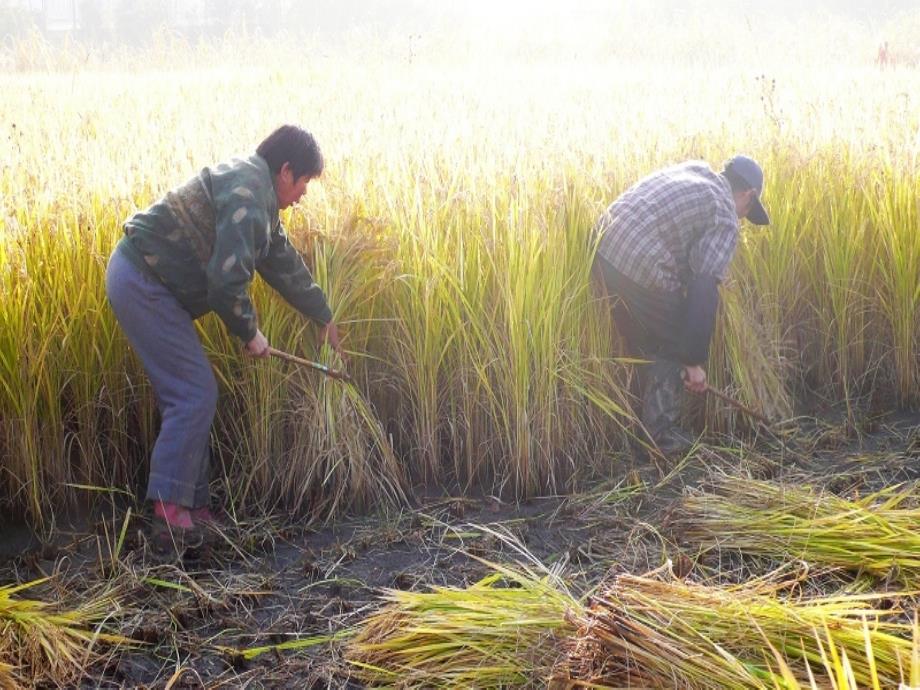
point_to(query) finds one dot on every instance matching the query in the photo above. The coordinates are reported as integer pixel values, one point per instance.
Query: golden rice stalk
(8, 679)
(836, 671)
(503, 631)
(646, 631)
(750, 361)
(876, 534)
(41, 645)
(318, 446)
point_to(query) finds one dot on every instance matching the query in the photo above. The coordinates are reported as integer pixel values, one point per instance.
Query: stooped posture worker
(664, 246)
(194, 251)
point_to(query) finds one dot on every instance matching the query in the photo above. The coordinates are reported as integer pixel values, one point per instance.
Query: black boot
(661, 402)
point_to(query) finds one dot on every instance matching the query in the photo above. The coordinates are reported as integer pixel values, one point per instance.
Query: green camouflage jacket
(205, 239)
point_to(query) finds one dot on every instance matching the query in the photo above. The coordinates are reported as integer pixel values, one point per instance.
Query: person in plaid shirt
(663, 247)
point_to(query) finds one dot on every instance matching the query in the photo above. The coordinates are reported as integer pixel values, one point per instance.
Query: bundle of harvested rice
(876, 534)
(502, 631)
(654, 631)
(39, 645)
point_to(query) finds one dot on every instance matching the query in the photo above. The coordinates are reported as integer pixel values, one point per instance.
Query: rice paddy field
(474, 510)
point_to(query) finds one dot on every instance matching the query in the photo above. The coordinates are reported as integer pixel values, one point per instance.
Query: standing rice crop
(894, 222)
(475, 172)
(319, 445)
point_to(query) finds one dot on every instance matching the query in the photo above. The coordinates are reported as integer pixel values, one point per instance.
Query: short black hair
(293, 145)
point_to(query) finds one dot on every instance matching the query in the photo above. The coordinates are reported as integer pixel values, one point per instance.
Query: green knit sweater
(206, 239)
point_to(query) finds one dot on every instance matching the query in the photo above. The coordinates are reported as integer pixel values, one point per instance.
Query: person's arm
(709, 257)
(702, 303)
(232, 266)
(284, 269)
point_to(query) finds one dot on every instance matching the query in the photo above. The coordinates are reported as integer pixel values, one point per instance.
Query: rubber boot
(661, 403)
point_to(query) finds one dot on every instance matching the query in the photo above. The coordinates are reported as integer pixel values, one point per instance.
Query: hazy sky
(729, 28)
(319, 14)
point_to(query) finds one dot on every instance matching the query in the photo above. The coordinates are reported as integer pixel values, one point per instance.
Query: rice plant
(456, 249)
(897, 264)
(655, 631)
(502, 631)
(319, 445)
(835, 670)
(875, 534)
(39, 643)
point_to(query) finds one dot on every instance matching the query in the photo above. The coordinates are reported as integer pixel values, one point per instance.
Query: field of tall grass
(452, 233)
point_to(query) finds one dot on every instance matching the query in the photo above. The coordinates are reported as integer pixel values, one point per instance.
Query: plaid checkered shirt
(677, 222)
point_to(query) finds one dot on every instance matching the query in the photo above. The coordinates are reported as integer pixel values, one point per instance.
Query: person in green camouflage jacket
(194, 251)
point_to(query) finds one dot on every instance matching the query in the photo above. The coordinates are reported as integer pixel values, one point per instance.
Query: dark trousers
(650, 322)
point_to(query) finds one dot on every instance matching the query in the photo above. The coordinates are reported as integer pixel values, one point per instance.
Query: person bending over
(663, 247)
(194, 251)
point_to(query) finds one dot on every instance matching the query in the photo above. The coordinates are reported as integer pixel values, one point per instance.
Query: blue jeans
(163, 335)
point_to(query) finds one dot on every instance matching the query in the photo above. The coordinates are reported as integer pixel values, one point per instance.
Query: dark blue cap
(747, 170)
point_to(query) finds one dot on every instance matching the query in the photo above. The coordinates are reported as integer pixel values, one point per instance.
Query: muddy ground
(267, 583)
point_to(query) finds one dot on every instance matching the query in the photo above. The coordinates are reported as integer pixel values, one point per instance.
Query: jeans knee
(200, 401)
